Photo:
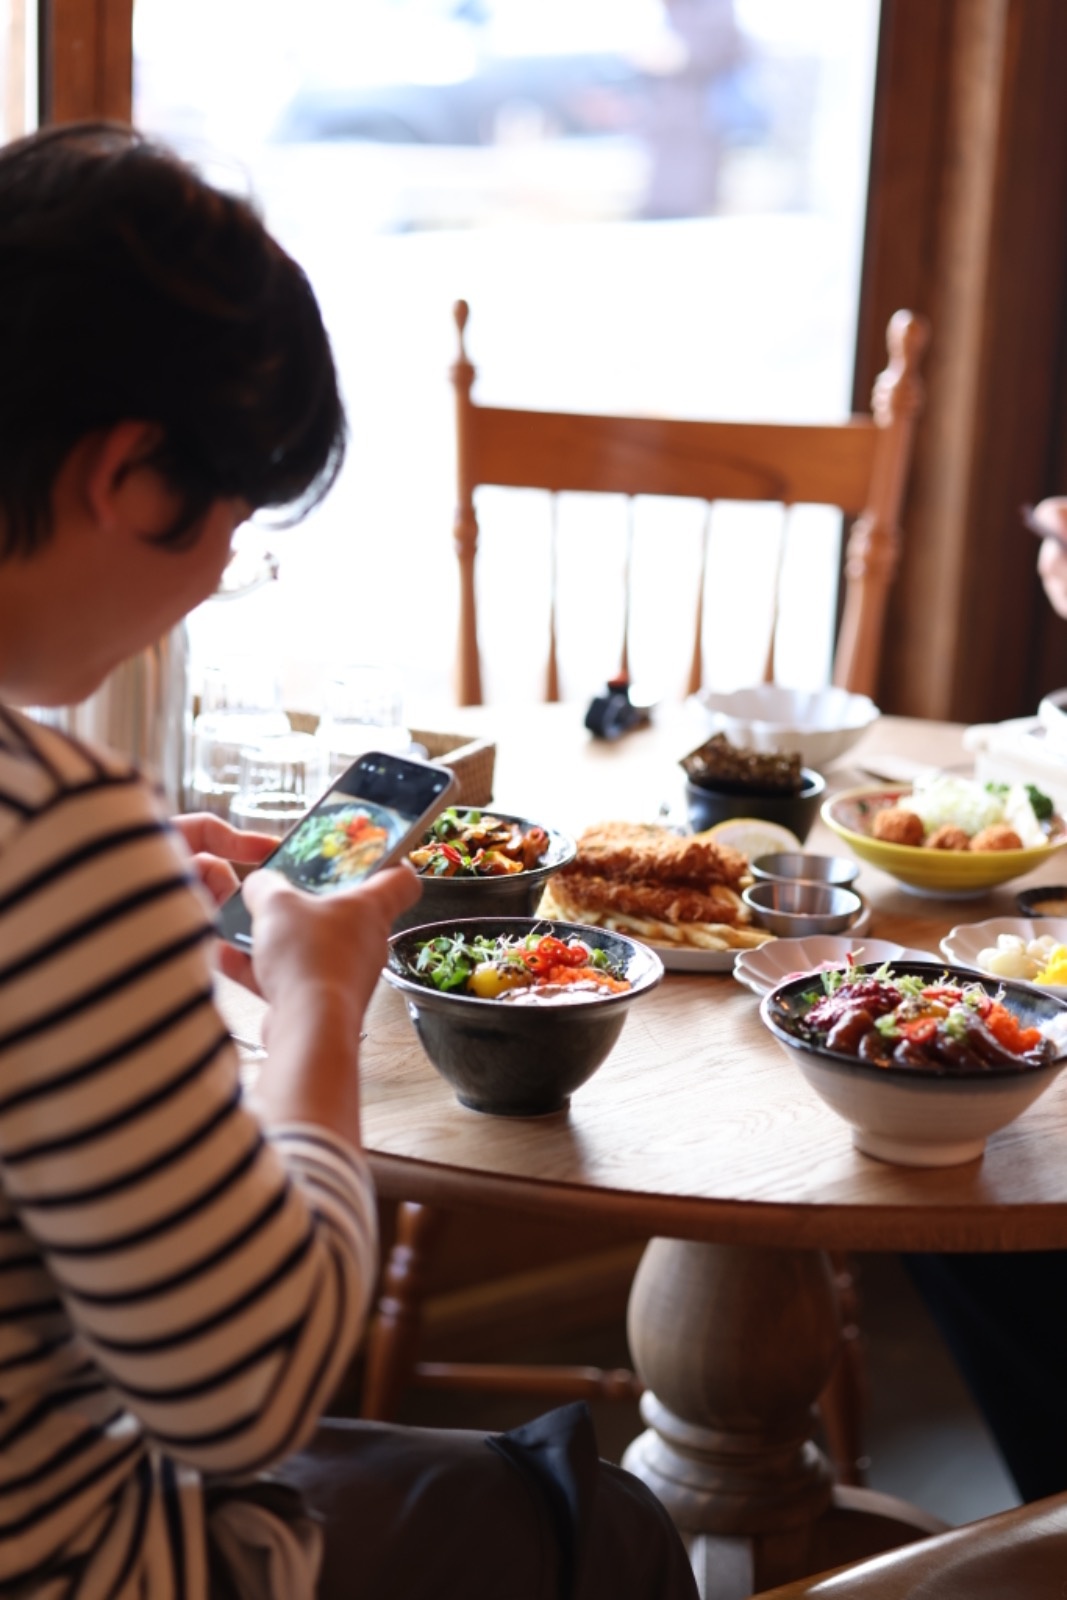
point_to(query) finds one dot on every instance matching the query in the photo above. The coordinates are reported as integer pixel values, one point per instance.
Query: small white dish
(684, 958)
(964, 943)
(764, 969)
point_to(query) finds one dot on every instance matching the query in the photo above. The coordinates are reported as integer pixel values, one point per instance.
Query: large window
(18, 67)
(651, 205)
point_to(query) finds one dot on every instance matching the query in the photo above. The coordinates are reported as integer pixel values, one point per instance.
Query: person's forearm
(311, 1073)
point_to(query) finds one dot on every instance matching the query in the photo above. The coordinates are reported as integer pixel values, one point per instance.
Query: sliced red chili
(549, 945)
(919, 1031)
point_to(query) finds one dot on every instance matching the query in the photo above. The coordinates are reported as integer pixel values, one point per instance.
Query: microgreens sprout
(957, 1022)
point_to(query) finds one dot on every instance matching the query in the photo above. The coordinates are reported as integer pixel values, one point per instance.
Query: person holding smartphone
(183, 1282)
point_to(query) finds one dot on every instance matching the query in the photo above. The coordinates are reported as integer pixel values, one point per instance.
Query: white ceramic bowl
(916, 1119)
(770, 964)
(820, 724)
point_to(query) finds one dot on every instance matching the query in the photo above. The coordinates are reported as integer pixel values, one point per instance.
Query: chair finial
(898, 391)
(460, 313)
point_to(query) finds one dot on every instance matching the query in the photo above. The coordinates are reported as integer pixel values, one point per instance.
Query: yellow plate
(955, 873)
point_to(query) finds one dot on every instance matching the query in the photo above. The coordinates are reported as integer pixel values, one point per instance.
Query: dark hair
(130, 289)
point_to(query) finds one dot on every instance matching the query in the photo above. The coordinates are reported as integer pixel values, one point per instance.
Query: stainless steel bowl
(805, 864)
(795, 908)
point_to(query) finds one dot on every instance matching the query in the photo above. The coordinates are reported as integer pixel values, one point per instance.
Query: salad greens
(452, 963)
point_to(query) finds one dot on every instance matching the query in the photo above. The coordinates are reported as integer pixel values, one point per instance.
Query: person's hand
(331, 945)
(1052, 556)
(214, 844)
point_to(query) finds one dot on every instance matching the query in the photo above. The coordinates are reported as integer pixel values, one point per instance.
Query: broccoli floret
(1041, 803)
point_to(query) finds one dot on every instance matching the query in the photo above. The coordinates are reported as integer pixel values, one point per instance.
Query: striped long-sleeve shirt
(179, 1291)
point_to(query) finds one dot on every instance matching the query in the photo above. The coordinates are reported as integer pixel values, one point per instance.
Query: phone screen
(375, 811)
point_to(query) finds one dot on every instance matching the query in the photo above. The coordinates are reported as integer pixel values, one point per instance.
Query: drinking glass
(279, 780)
(239, 707)
(362, 710)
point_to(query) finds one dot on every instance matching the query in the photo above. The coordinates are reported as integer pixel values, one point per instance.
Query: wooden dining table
(700, 1134)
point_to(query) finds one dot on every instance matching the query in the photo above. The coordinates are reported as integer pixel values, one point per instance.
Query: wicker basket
(472, 760)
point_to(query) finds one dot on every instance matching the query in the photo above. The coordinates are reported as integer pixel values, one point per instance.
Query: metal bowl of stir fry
(477, 862)
(516, 1013)
(923, 1061)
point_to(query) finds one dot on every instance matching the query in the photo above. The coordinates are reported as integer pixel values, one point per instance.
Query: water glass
(362, 710)
(279, 780)
(239, 707)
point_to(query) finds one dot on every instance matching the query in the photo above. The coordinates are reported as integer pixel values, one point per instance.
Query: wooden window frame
(967, 222)
(86, 60)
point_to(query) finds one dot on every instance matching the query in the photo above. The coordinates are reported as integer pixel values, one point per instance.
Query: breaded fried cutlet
(665, 902)
(635, 852)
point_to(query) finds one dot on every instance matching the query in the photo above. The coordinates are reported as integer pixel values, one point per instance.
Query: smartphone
(374, 813)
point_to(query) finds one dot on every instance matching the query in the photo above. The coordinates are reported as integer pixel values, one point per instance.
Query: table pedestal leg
(734, 1345)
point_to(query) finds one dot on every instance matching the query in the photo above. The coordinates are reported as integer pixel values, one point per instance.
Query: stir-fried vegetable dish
(473, 844)
(530, 966)
(905, 1021)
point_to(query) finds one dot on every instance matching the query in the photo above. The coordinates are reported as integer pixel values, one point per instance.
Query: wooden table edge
(787, 1226)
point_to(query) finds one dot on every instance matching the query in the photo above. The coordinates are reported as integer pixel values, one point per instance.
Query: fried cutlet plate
(683, 958)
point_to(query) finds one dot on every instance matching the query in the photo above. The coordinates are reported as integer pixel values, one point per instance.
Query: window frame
(85, 66)
(967, 223)
(968, 99)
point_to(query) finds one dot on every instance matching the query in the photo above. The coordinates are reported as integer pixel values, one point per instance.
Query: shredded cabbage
(940, 800)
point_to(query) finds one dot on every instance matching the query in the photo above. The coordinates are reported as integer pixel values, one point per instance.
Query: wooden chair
(859, 465)
(1020, 1553)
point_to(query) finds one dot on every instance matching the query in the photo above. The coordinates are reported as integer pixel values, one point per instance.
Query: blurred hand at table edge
(1052, 556)
(215, 845)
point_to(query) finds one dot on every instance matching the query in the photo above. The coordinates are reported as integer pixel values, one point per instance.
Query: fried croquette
(949, 837)
(897, 825)
(997, 837)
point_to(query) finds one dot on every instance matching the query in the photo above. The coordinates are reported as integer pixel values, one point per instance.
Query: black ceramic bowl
(797, 812)
(516, 894)
(1050, 900)
(518, 1060)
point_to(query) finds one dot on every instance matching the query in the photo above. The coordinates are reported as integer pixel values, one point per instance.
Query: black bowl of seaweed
(724, 780)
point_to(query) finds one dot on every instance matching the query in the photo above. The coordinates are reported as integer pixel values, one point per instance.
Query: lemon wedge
(752, 836)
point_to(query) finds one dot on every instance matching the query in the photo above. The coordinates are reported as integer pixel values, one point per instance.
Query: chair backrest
(859, 465)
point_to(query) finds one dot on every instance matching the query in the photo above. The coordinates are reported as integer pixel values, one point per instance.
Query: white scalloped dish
(764, 969)
(965, 943)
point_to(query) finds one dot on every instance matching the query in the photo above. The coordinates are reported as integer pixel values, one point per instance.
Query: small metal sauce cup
(795, 908)
(805, 864)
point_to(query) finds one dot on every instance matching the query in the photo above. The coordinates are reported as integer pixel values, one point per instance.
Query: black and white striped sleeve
(219, 1278)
